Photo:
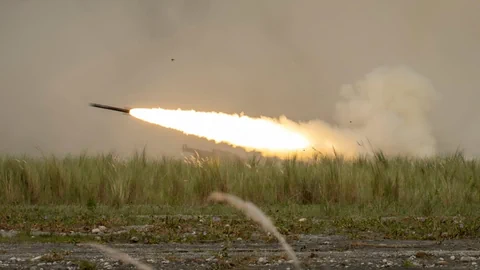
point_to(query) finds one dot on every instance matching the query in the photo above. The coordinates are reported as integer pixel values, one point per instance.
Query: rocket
(106, 107)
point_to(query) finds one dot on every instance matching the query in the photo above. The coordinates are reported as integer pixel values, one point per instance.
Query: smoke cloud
(271, 58)
(388, 110)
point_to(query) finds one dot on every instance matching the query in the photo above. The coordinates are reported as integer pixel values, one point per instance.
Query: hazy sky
(268, 57)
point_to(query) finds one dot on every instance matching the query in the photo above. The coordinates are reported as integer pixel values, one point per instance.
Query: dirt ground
(315, 252)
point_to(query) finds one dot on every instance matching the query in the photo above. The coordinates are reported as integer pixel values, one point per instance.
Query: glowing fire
(261, 134)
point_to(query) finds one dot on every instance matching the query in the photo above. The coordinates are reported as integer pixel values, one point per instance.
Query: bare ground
(315, 252)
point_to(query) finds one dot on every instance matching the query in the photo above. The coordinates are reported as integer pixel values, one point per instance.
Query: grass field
(381, 186)
(333, 195)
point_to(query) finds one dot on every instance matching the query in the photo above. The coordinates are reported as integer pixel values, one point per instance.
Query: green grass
(447, 185)
(216, 223)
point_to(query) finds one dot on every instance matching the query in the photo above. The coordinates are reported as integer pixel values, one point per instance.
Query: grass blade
(118, 255)
(253, 212)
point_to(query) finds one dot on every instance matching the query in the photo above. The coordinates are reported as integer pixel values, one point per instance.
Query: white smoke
(388, 110)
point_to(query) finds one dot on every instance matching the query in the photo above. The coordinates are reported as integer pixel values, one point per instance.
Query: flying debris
(106, 107)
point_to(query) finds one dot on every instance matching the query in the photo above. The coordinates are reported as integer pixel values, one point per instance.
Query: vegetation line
(390, 186)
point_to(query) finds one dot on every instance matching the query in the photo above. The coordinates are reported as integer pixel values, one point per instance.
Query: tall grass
(400, 185)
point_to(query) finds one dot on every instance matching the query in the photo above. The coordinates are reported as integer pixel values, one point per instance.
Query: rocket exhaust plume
(260, 134)
(386, 111)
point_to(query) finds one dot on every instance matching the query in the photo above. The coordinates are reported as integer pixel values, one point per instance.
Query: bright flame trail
(260, 134)
(388, 110)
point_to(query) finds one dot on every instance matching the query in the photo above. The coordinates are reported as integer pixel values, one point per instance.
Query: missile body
(106, 107)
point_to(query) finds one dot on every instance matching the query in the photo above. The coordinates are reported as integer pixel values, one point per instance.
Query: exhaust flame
(261, 134)
(387, 110)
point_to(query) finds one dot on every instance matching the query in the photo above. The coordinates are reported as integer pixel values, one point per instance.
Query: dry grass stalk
(118, 255)
(253, 212)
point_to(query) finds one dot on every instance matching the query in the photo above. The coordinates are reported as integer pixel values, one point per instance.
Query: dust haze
(403, 74)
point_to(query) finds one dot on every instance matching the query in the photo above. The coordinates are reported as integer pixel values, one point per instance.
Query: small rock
(37, 258)
(302, 220)
(254, 236)
(421, 254)
(474, 263)
(166, 262)
(12, 259)
(467, 259)
(98, 238)
(134, 239)
(151, 261)
(442, 262)
(262, 260)
(96, 230)
(8, 234)
(102, 228)
(452, 258)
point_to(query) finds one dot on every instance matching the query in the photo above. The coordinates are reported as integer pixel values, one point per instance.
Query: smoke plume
(386, 111)
(390, 108)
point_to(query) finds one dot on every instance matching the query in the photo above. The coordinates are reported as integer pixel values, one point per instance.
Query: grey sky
(268, 57)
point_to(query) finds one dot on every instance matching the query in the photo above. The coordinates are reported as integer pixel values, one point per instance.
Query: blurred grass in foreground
(448, 185)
